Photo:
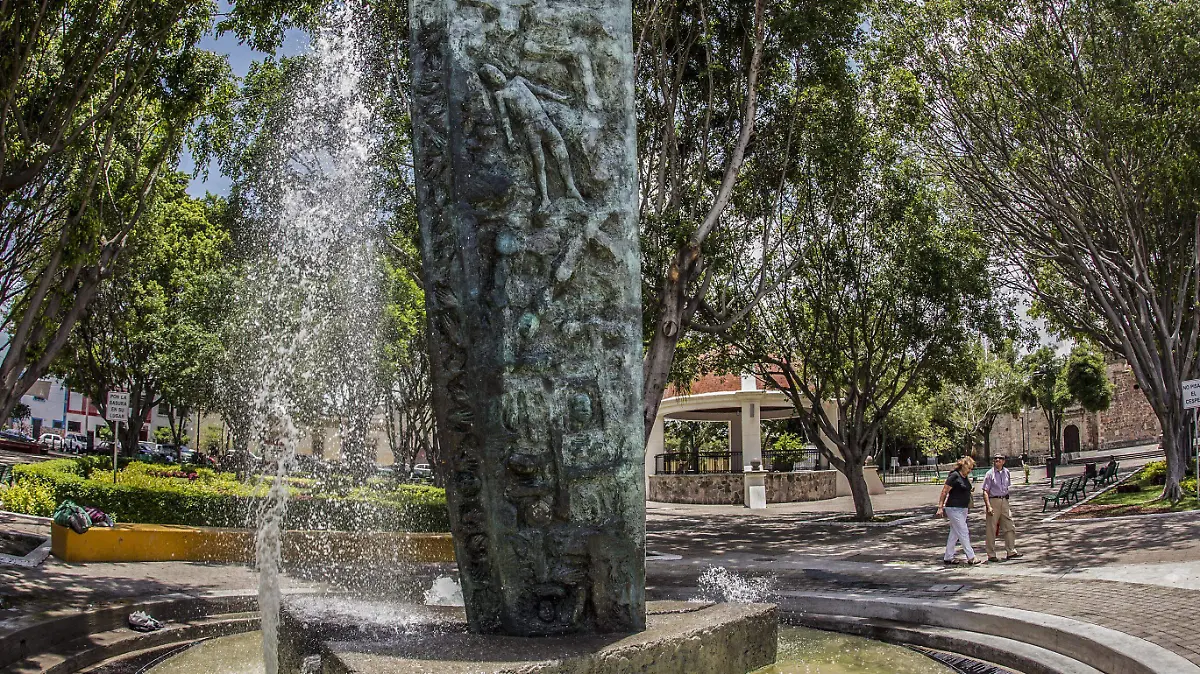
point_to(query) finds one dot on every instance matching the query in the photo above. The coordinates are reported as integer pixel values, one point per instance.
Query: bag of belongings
(69, 514)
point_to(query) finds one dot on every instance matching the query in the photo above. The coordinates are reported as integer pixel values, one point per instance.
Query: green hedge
(144, 495)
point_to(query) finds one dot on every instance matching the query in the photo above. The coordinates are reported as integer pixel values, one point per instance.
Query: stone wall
(801, 486)
(729, 488)
(1128, 421)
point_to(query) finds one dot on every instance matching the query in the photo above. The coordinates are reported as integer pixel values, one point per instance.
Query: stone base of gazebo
(729, 488)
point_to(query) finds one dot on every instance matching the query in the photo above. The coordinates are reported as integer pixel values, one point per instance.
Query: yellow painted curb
(164, 542)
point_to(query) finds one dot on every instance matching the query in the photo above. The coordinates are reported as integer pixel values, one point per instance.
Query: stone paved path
(1140, 576)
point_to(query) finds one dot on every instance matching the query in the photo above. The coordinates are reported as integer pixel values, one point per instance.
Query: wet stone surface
(372, 637)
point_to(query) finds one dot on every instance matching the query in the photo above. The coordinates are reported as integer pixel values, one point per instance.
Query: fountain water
(309, 331)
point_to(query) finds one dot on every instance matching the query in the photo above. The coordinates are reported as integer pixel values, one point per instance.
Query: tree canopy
(1055, 383)
(96, 101)
(1070, 130)
(887, 285)
(154, 328)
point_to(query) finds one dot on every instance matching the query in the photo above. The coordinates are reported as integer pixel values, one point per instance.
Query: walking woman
(953, 504)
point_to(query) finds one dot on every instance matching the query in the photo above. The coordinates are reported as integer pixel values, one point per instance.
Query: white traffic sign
(1191, 394)
(117, 408)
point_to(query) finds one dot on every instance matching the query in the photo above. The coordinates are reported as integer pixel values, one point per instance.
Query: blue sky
(240, 57)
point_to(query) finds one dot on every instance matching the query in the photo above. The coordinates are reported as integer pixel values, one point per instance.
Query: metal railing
(675, 463)
(783, 461)
(912, 475)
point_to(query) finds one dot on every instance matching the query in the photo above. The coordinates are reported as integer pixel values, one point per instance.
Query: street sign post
(117, 410)
(1191, 401)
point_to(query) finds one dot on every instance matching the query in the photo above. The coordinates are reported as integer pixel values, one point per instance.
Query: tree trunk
(1176, 426)
(987, 446)
(863, 509)
(133, 429)
(673, 310)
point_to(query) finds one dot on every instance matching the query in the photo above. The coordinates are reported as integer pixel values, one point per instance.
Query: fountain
(524, 144)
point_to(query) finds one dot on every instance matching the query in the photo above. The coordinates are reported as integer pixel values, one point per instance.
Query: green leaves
(1056, 382)
(152, 495)
(1087, 378)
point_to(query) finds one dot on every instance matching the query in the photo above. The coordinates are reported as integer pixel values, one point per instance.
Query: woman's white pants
(958, 533)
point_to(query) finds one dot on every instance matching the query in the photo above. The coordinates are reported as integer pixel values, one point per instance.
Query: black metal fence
(783, 461)
(697, 462)
(912, 475)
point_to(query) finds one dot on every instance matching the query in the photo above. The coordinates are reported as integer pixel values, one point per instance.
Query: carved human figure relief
(517, 101)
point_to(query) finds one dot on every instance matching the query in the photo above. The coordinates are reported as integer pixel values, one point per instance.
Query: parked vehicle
(52, 442)
(175, 453)
(76, 442)
(422, 471)
(16, 441)
(149, 452)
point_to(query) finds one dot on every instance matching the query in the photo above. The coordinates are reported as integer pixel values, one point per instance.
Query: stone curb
(30, 560)
(1108, 650)
(25, 636)
(1019, 656)
(22, 517)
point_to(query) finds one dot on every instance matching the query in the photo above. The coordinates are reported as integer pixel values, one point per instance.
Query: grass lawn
(1136, 496)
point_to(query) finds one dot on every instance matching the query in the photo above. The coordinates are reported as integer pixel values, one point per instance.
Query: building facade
(55, 408)
(1129, 421)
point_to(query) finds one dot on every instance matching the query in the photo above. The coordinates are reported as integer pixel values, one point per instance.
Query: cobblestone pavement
(1138, 576)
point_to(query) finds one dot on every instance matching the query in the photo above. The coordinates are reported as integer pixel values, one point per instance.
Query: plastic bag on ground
(142, 622)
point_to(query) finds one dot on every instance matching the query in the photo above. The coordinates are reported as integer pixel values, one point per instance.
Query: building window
(57, 424)
(72, 426)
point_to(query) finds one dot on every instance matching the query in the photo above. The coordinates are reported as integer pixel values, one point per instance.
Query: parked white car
(52, 442)
(76, 442)
(422, 471)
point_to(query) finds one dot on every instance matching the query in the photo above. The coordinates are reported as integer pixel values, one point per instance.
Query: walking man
(996, 485)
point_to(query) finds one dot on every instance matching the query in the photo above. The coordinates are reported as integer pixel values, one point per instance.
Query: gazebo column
(735, 442)
(654, 446)
(751, 433)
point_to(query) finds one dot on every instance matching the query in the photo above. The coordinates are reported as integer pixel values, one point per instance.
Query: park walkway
(1140, 576)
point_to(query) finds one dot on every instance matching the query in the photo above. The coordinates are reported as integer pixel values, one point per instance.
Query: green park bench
(1069, 492)
(1059, 497)
(1106, 475)
(1079, 489)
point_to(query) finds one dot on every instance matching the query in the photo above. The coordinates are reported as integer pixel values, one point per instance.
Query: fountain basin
(368, 637)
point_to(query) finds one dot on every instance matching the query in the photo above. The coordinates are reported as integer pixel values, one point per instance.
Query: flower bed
(152, 494)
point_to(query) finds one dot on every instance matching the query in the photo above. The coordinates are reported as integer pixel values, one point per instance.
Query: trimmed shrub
(1188, 486)
(1153, 473)
(28, 498)
(156, 495)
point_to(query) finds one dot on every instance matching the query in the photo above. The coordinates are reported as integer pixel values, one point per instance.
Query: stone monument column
(524, 143)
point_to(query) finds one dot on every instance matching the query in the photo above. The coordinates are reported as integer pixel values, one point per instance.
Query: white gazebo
(743, 404)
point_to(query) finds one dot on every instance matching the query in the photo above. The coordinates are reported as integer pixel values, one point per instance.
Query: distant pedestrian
(996, 486)
(953, 504)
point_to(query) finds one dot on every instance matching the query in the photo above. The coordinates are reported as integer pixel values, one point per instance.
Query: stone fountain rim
(40, 631)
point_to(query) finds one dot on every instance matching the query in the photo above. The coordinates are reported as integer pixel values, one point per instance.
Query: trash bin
(1051, 466)
(1089, 470)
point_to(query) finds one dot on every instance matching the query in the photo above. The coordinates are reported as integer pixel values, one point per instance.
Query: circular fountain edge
(368, 636)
